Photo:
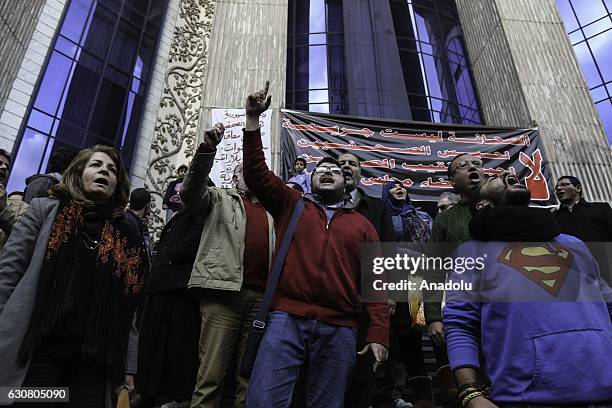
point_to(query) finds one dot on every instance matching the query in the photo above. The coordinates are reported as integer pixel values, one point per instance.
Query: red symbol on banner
(536, 183)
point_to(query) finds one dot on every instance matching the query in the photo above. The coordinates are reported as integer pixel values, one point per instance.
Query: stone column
(248, 46)
(526, 72)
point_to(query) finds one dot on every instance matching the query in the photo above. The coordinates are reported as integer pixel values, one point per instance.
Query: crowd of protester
(89, 302)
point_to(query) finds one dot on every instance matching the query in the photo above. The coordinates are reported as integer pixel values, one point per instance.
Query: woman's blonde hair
(71, 188)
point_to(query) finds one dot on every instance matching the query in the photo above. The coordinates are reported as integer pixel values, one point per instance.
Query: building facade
(143, 75)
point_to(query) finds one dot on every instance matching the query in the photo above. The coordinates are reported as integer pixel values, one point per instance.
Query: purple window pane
(605, 113)
(40, 121)
(569, 19)
(133, 16)
(66, 46)
(597, 27)
(75, 20)
(588, 66)
(576, 37)
(109, 109)
(100, 32)
(139, 5)
(601, 46)
(317, 67)
(317, 39)
(431, 72)
(52, 86)
(28, 159)
(609, 86)
(318, 96)
(589, 10)
(145, 54)
(317, 16)
(599, 93)
(125, 44)
(48, 150)
(609, 5)
(319, 107)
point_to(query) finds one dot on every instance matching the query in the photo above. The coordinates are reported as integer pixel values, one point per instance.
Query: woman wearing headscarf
(71, 274)
(411, 225)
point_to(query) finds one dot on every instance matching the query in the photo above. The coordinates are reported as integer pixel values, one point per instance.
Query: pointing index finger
(266, 88)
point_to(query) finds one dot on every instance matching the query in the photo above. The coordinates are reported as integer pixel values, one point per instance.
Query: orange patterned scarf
(115, 263)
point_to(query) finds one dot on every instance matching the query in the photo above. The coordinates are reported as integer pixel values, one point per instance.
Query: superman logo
(545, 264)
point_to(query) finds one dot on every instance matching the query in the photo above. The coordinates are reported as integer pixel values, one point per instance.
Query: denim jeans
(290, 341)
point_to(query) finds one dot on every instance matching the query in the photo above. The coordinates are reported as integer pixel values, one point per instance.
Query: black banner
(417, 154)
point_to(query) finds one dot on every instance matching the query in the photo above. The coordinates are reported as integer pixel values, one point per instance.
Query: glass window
(589, 69)
(601, 46)
(567, 14)
(93, 83)
(605, 113)
(595, 52)
(437, 84)
(76, 19)
(588, 10)
(28, 158)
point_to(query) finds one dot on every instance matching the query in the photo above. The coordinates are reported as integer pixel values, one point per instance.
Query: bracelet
(467, 391)
(466, 400)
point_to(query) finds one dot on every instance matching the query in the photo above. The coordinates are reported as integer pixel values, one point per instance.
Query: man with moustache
(230, 270)
(537, 322)
(317, 302)
(10, 208)
(590, 222)
(450, 227)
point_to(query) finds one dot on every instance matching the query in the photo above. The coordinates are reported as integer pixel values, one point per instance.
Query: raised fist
(212, 137)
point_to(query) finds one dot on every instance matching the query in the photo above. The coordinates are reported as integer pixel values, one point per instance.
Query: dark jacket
(590, 222)
(38, 185)
(176, 251)
(321, 278)
(378, 214)
(171, 196)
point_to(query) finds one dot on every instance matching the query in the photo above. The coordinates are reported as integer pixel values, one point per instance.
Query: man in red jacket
(317, 301)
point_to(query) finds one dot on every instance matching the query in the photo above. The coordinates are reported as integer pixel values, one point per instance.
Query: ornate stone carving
(181, 102)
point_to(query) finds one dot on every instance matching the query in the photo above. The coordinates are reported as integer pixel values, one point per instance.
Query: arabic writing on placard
(229, 151)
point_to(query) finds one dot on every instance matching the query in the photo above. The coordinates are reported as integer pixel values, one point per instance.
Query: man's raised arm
(267, 187)
(195, 192)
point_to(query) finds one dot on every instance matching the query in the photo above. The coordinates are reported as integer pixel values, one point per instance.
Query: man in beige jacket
(230, 270)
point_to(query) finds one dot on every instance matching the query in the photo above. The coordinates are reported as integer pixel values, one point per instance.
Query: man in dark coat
(590, 222)
(170, 331)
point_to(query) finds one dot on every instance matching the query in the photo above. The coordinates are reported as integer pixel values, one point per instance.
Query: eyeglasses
(323, 170)
(463, 164)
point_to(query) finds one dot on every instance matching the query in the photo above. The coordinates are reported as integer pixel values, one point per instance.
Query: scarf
(116, 283)
(396, 208)
(409, 223)
(514, 224)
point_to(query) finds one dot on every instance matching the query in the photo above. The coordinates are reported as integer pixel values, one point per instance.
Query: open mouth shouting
(102, 181)
(326, 179)
(474, 176)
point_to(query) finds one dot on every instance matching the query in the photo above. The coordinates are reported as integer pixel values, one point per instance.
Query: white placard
(229, 151)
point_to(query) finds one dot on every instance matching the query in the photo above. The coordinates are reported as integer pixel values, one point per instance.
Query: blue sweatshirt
(303, 179)
(537, 322)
